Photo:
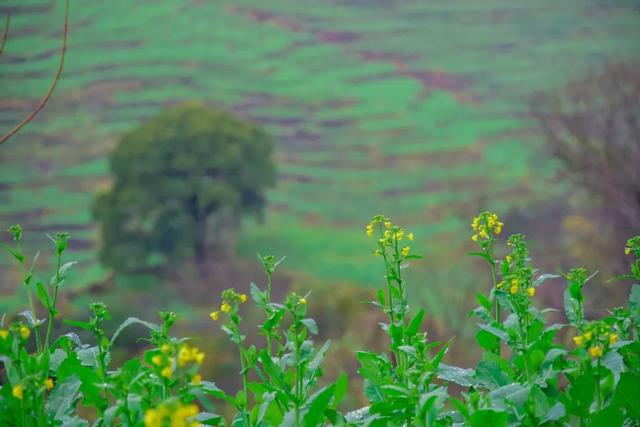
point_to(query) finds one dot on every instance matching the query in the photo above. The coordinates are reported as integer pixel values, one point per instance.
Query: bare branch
(5, 34)
(44, 100)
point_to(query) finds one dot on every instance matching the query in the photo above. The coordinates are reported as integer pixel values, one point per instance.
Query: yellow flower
(225, 308)
(4, 334)
(491, 221)
(587, 336)
(531, 291)
(18, 392)
(405, 251)
(48, 383)
(578, 340)
(25, 332)
(595, 351)
(515, 282)
(410, 237)
(184, 356)
(514, 289)
(166, 372)
(370, 230)
(243, 298)
(474, 237)
(303, 300)
(483, 234)
(196, 379)
(475, 223)
(613, 338)
(165, 348)
(400, 234)
(198, 356)
(508, 259)
(627, 251)
(156, 360)
(152, 418)
(387, 224)
(214, 315)
(378, 252)
(498, 228)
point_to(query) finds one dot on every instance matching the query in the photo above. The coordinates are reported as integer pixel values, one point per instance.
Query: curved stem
(54, 83)
(5, 34)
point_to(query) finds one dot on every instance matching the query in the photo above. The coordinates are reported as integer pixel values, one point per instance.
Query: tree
(172, 176)
(593, 127)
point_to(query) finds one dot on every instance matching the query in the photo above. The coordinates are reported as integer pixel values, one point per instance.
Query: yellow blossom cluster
(188, 354)
(230, 297)
(485, 225)
(4, 334)
(173, 415)
(390, 235)
(596, 338)
(516, 286)
(18, 391)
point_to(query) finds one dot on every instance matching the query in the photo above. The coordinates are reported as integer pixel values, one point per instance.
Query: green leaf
(483, 301)
(607, 417)
(43, 295)
(581, 395)
(634, 302)
(513, 394)
(570, 308)
(490, 375)
(208, 418)
(372, 391)
(132, 321)
(62, 400)
(487, 340)
(340, 390)
(311, 325)
(461, 376)
(89, 380)
(259, 297)
(318, 402)
(556, 412)
(627, 392)
(416, 322)
(488, 418)
(494, 331)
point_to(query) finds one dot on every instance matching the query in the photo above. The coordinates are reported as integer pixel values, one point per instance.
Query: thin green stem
(244, 386)
(52, 310)
(598, 395)
(494, 283)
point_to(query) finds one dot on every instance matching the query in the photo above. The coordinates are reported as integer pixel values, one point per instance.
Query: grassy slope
(410, 108)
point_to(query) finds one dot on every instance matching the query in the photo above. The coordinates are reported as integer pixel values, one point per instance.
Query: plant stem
(598, 385)
(244, 386)
(494, 282)
(53, 302)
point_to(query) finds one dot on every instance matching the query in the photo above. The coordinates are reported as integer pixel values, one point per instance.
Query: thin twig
(5, 34)
(44, 100)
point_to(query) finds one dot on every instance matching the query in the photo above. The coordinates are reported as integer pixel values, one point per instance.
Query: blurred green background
(416, 109)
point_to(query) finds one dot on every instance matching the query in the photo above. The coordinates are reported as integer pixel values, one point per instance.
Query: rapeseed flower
(18, 391)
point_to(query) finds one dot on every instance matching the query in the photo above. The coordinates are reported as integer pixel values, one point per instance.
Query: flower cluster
(516, 275)
(230, 302)
(597, 338)
(164, 359)
(485, 226)
(633, 246)
(389, 236)
(172, 414)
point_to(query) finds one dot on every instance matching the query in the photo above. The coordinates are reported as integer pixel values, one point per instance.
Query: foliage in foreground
(527, 376)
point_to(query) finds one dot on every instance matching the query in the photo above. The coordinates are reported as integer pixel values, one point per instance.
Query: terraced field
(413, 108)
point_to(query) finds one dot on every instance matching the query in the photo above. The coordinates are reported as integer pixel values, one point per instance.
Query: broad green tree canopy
(171, 175)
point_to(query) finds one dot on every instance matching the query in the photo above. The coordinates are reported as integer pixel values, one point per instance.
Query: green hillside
(413, 108)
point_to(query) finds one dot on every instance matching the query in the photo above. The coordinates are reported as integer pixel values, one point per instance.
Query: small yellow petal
(531, 291)
(225, 307)
(196, 379)
(25, 332)
(410, 237)
(595, 351)
(303, 300)
(48, 383)
(18, 392)
(215, 315)
(243, 298)
(4, 334)
(514, 289)
(613, 338)
(157, 360)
